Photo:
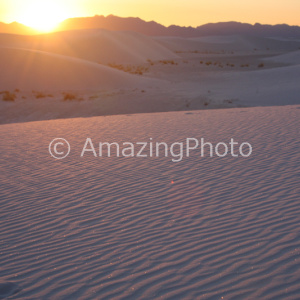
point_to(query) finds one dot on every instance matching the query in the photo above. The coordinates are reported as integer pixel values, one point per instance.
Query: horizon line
(149, 21)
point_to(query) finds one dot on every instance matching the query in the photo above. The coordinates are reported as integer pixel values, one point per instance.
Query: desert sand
(133, 228)
(109, 72)
(148, 228)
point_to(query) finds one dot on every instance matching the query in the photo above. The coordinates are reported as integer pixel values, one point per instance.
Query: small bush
(261, 65)
(40, 95)
(69, 97)
(168, 62)
(7, 96)
(137, 70)
(150, 62)
(93, 97)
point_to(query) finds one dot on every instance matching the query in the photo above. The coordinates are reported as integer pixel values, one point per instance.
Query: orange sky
(44, 14)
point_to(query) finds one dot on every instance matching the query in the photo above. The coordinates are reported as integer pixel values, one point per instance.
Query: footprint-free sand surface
(108, 73)
(148, 228)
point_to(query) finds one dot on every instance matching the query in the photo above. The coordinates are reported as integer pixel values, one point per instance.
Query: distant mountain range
(16, 28)
(155, 29)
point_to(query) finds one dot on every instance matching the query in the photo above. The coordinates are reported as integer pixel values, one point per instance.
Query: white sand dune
(30, 69)
(275, 86)
(115, 92)
(237, 43)
(148, 228)
(292, 58)
(108, 228)
(98, 45)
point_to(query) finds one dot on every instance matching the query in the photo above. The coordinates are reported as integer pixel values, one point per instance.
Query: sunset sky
(44, 14)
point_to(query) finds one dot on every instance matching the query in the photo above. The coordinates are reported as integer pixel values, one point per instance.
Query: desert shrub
(40, 95)
(228, 101)
(93, 97)
(150, 62)
(69, 97)
(7, 96)
(168, 62)
(137, 70)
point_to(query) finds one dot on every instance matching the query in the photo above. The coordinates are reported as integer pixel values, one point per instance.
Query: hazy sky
(181, 12)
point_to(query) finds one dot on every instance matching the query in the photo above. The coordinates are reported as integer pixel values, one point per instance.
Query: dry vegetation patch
(8, 96)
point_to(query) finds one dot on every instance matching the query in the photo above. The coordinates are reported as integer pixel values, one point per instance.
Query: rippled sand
(133, 228)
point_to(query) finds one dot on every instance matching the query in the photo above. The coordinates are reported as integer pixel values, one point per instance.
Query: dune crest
(97, 45)
(31, 69)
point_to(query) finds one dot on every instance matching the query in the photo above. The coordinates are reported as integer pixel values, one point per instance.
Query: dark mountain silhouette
(16, 28)
(155, 29)
(231, 28)
(152, 28)
(115, 23)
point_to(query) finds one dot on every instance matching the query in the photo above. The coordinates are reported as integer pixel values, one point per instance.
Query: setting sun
(43, 16)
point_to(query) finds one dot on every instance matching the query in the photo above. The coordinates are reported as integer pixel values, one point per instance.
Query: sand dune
(275, 86)
(100, 228)
(98, 45)
(292, 58)
(148, 228)
(30, 69)
(107, 91)
(227, 44)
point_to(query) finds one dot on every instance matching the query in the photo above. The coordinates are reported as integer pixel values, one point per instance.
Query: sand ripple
(118, 229)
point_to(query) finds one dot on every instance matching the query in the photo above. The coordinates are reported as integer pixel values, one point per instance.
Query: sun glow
(43, 15)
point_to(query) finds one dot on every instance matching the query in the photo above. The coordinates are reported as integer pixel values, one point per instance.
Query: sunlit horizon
(45, 16)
